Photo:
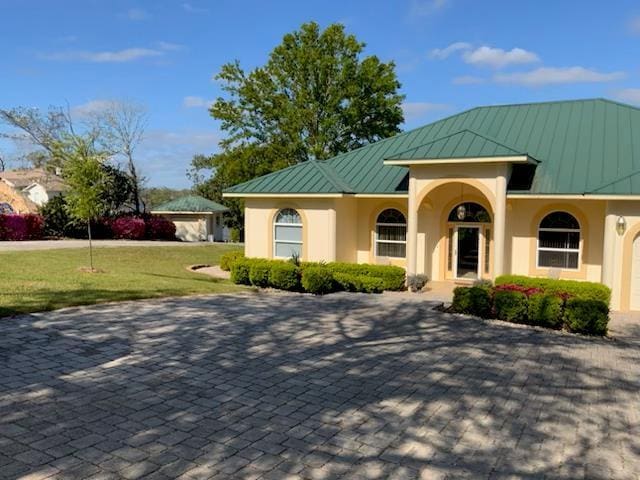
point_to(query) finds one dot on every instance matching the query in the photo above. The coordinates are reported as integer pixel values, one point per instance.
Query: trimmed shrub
(129, 228)
(358, 283)
(284, 276)
(240, 271)
(472, 300)
(393, 278)
(159, 228)
(510, 287)
(16, 227)
(259, 273)
(510, 306)
(565, 288)
(586, 316)
(545, 310)
(318, 280)
(229, 258)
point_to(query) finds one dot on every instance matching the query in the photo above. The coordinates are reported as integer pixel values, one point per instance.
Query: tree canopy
(316, 97)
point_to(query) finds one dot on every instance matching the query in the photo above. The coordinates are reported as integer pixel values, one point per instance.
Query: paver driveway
(291, 386)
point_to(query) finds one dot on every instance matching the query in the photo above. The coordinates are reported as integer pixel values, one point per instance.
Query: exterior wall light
(461, 212)
(621, 225)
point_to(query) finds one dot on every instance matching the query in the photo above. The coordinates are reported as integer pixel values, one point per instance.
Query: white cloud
(196, 102)
(416, 110)
(634, 25)
(557, 75)
(136, 14)
(468, 80)
(91, 107)
(424, 8)
(112, 56)
(442, 53)
(628, 95)
(486, 56)
(189, 8)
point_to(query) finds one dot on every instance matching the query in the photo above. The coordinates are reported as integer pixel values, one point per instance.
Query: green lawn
(33, 281)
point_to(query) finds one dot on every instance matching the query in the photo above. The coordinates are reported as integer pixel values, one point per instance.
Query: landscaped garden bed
(310, 277)
(581, 307)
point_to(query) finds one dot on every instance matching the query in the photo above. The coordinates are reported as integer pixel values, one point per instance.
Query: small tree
(87, 180)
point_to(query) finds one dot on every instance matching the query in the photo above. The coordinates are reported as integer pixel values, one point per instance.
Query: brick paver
(278, 386)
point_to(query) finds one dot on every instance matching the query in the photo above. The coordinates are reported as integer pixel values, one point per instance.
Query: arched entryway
(469, 241)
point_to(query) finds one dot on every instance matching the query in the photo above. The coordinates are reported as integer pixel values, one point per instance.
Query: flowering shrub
(159, 228)
(129, 228)
(512, 287)
(28, 226)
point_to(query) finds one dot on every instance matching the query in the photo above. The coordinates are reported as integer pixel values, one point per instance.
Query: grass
(33, 281)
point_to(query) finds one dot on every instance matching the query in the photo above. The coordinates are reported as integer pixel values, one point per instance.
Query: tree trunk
(136, 191)
(90, 246)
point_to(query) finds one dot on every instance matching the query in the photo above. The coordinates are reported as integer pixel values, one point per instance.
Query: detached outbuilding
(197, 219)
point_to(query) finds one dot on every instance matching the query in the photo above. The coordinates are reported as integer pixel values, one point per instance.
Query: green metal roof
(582, 146)
(462, 144)
(191, 203)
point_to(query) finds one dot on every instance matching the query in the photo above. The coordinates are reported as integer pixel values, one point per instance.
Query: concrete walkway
(56, 244)
(285, 386)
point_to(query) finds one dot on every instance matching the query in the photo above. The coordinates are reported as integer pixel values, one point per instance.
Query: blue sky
(450, 55)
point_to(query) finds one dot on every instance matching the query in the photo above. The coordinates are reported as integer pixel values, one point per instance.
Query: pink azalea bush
(129, 228)
(27, 226)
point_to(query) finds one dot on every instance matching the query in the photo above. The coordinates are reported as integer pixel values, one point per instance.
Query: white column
(609, 248)
(500, 216)
(412, 227)
(331, 235)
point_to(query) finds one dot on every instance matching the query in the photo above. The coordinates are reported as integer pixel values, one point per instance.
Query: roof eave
(465, 161)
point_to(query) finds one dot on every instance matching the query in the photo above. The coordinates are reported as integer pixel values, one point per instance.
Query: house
(36, 184)
(539, 189)
(196, 218)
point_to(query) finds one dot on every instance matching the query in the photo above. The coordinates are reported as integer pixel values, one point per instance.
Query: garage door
(635, 275)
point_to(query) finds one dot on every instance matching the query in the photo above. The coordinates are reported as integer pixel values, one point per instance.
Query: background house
(36, 185)
(197, 219)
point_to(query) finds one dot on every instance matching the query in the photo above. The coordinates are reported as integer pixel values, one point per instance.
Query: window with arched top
(559, 241)
(391, 234)
(287, 234)
(469, 212)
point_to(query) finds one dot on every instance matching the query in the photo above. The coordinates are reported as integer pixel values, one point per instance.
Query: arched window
(391, 234)
(469, 212)
(559, 241)
(287, 234)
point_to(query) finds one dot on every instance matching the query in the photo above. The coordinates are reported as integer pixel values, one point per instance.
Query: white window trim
(378, 241)
(285, 242)
(565, 250)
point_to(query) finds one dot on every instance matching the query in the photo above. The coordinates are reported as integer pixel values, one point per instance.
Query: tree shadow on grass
(339, 386)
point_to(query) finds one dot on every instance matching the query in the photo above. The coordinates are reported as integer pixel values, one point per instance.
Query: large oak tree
(316, 96)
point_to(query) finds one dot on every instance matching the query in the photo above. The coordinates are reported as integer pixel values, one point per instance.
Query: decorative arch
(480, 188)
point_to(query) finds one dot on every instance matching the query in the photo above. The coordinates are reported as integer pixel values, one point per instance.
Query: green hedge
(586, 316)
(472, 301)
(548, 308)
(259, 273)
(510, 306)
(318, 280)
(228, 259)
(285, 275)
(545, 310)
(358, 283)
(240, 271)
(572, 288)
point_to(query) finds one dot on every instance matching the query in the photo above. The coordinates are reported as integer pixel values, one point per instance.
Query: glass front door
(467, 260)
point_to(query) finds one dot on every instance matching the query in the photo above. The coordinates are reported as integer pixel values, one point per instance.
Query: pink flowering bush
(28, 226)
(159, 228)
(512, 287)
(129, 228)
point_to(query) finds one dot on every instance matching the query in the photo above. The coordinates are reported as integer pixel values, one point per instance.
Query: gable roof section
(190, 203)
(581, 145)
(458, 145)
(309, 177)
